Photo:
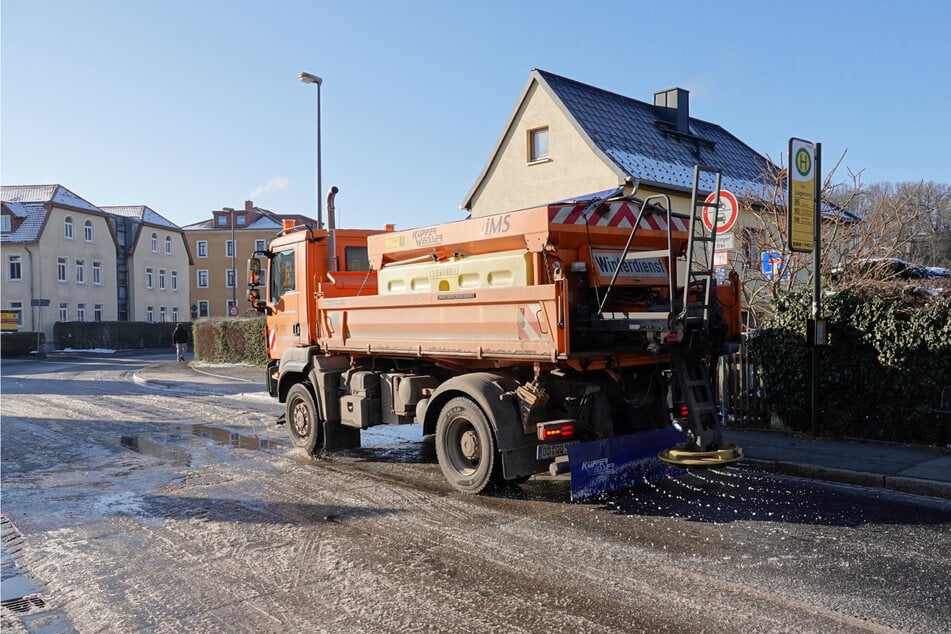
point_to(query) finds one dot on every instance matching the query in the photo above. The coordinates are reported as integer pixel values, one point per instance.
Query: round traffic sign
(233, 310)
(726, 215)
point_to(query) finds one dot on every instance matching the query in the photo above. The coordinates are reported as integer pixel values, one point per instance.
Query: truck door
(288, 297)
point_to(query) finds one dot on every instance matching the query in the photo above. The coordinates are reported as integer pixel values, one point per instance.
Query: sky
(190, 106)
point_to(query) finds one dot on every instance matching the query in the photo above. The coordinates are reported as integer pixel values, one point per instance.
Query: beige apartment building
(152, 266)
(221, 247)
(59, 258)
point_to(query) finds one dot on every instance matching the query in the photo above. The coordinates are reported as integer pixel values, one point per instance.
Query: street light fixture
(307, 78)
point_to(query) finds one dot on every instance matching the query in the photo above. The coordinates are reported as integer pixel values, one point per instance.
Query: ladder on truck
(701, 247)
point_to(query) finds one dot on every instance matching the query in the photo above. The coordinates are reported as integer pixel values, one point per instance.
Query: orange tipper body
(548, 339)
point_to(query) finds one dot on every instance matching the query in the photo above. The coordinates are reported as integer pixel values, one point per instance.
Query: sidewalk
(908, 469)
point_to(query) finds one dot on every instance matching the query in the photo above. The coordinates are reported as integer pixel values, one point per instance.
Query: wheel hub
(301, 421)
(469, 445)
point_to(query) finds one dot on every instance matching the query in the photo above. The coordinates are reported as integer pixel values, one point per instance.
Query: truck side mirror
(254, 272)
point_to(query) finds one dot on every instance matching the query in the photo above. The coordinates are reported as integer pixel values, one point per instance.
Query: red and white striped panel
(619, 214)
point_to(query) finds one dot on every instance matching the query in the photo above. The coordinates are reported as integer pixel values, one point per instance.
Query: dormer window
(6, 224)
(538, 145)
(222, 220)
(240, 220)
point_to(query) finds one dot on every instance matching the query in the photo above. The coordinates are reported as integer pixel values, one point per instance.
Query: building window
(163, 314)
(87, 230)
(6, 223)
(174, 280)
(68, 228)
(537, 144)
(80, 271)
(229, 248)
(202, 248)
(259, 245)
(168, 245)
(222, 220)
(97, 312)
(202, 278)
(161, 279)
(175, 314)
(203, 308)
(14, 270)
(230, 278)
(80, 312)
(240, 220)
(149, 274)
(153, 242)
(150, 314)
(64, 311)
(17, 307)
(61, 265)
(97, 272)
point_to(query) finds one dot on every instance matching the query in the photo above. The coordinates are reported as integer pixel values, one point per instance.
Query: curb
(901, 484)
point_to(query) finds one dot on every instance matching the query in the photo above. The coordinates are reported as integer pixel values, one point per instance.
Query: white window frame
(149, 277)
(535, 154)
(175, 314)
(64, 311)
(87, 231)
(14, 268)
(168, 245)
(81, 312)
(97, 312)
(6, 223)
(201, 278)
(80, 271)
(163, 314)
(229, 248)
(97, 272)
(161, 279)
(18, 307)
(150, 314)
(201, 248)
(259, 245)
(174, 280)
(231, 278)
(62, 269)
(68, 228)
(153, 242)
(204, 310)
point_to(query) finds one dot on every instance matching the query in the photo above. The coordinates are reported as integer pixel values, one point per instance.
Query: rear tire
(466, 447)
(303, 425)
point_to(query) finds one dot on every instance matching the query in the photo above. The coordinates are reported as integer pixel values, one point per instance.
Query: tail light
(555, 430)
(680, 410)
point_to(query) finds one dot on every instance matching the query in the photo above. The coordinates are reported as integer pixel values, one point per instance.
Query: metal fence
(739, 388)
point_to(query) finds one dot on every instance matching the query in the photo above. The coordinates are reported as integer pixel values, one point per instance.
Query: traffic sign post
(802, 190)
(723, 217)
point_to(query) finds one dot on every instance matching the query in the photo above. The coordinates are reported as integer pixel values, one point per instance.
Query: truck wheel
(465, 447)
(303, 426)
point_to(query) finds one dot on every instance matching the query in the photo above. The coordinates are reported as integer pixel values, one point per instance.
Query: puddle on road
(160, 444)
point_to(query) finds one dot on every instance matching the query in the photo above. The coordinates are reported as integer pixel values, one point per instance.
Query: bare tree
(860, 227)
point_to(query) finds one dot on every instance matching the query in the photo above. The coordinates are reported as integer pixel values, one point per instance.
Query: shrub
(228, 340)
(889, 355)
(113, 335)
(15, 344)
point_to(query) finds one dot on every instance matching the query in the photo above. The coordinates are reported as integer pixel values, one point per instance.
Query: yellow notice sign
(9, 320)
(801, 188)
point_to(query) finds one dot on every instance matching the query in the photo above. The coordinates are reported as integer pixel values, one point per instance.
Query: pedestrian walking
(180, 339)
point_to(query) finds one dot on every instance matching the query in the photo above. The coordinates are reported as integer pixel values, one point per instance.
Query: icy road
(180, 507)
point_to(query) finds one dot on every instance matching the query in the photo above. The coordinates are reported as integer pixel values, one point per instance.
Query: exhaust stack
(331, 229)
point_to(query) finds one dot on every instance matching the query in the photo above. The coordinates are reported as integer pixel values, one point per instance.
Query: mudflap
(610, 464)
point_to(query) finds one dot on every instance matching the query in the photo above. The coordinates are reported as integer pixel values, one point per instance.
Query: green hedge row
(881, 375)
(15, 344)
(113, 335)
(228, 340)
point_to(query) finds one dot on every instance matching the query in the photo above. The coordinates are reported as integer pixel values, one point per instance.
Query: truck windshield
(282, 274)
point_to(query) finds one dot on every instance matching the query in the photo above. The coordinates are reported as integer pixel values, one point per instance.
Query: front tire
(303, 426)
(466, 447)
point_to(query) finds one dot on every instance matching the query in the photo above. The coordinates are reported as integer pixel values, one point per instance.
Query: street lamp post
(307, 78)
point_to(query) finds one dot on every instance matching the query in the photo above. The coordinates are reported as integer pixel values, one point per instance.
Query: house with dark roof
(565, 139)
(152, 265)
(221, 247)
(58, 252)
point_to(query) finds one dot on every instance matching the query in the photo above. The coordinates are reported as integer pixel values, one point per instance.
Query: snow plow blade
(620, 462)
(677, 457)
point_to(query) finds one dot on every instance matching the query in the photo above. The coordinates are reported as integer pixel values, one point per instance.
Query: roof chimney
(248, 205)
(673, 106)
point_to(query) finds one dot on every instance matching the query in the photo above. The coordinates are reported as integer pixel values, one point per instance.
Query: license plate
(551, 451)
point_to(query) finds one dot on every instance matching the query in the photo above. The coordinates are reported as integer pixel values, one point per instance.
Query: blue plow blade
(602, 466)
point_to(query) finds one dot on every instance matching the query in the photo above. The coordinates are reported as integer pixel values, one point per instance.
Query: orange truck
(574, 337)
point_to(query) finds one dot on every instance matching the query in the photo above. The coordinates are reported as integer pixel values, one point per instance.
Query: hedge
(887, 361)
(229, 340)
(15, 344)
(113, 335)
